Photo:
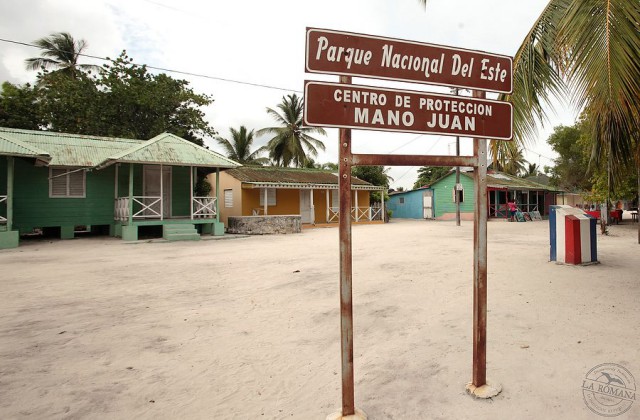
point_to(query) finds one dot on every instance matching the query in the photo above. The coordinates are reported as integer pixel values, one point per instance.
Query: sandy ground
(249, 328)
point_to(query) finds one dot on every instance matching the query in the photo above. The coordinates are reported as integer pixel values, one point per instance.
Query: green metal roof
(13, 147)
(70, 149)
(169, 149)
(278, 176)
(93, 151)
(502, 180)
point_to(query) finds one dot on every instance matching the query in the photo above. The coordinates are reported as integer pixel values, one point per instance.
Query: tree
(532, 169)
(376, 175)
(71, 105)
(514, 160)
(572, 171)
(60, 52)
(145, 105)
(123, 100)
(239, 147)
(428, 174)
(291, 142)
(329, 166)
(19, 107)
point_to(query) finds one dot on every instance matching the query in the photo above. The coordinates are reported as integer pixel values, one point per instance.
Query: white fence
(204, 207)
(144, 207)
(358, 214)
(149, 207)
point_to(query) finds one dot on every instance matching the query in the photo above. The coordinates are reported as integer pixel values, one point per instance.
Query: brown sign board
(350, 54)
(373, 108)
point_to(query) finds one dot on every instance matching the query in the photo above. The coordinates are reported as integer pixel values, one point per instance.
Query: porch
(168, 200)
(314, 203)
(528, 201)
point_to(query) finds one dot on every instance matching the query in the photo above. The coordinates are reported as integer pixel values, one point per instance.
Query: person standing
(513, 207)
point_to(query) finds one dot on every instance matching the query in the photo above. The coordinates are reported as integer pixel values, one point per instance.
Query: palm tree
(515, 161)
(291, 143)
(532, 169)
(239, 147)
(60, 51)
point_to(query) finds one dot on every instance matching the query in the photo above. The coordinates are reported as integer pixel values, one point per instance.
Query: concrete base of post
(485, 391)
(359, 415)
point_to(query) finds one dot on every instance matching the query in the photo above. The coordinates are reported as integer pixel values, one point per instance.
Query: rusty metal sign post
(347, 54)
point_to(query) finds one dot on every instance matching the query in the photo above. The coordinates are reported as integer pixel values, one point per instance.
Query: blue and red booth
(572, 235)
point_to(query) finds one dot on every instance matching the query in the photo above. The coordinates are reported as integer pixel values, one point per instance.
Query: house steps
(180, 232)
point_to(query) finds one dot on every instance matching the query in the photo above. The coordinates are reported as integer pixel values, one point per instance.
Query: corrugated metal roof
(169, 149)
(92, 151)
(278, 175)
(13, 147)
(70, 149)
(503, 180)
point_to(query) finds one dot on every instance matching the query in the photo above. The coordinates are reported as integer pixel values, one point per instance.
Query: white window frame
(66, 177)
(228, 198)
(271, 197)
(461, 194)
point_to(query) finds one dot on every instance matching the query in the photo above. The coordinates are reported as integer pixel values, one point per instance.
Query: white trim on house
(307, 186)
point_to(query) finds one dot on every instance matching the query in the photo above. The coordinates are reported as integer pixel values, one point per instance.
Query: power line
(540, 155)
(186, 73)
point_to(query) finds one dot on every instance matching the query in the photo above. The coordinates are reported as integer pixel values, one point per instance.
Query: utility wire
(186, 73)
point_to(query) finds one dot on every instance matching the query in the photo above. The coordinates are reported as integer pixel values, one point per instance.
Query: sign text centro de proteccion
(365, 107)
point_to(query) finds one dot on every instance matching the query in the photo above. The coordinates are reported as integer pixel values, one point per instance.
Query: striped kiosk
(572, 235)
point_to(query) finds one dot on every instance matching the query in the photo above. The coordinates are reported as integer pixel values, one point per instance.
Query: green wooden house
(62, 181)
(501, 188)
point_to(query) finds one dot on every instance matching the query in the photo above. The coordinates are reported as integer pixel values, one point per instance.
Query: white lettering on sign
(452, 105)
(409, 62)
(337, 54)
(453, 122)
(345, 53)
(458, 68)
(360, 97)
(492, 73)
(393, 117)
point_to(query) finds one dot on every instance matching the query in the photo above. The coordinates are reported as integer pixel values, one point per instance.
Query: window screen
(271, 197)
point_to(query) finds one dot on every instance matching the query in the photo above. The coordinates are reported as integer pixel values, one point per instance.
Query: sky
(253, 52)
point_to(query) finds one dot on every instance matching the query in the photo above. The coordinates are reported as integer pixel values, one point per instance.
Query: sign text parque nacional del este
(345, 53)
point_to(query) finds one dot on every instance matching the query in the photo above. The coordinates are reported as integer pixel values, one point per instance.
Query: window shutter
(58, 182)
(228, 198)
(76, 183)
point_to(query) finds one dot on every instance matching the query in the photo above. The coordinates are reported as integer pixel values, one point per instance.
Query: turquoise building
(437, 201)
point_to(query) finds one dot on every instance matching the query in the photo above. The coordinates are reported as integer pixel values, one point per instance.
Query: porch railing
(144, 207)
(357, 214)
(3, 199)
(204, 207)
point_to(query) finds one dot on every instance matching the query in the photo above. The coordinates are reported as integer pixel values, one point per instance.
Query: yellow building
(313, 194)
